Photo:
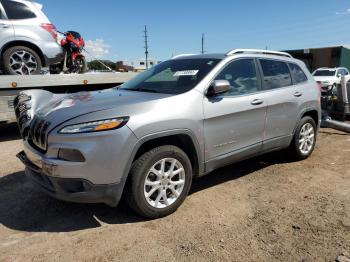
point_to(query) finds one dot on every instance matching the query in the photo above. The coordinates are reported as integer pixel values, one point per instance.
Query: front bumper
(70, 189)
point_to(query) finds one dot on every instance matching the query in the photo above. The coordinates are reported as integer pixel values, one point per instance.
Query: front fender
(166, 133)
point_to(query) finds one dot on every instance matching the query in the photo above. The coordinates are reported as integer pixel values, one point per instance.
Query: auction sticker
(186, 73)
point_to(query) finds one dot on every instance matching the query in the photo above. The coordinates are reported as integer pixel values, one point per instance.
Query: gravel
(265, 209)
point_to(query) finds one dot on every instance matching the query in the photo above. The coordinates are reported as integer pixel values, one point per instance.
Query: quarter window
(1, 14)
(17, 10)
(242, 77)
(297, 74)
(276, 74)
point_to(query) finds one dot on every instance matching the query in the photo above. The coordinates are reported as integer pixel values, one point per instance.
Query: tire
(21, 60)
(304, 127)
(80, 65)
(140, 170)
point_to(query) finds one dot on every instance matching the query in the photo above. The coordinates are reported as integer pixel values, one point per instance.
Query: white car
(28, 40)
(330, 77)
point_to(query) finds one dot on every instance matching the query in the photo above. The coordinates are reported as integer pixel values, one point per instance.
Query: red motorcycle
(74, 61)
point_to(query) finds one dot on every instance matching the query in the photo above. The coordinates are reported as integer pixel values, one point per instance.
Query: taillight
(319, 88)
(319, 94)
(51, 29)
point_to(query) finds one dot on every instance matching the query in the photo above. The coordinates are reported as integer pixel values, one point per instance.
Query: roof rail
(181, 55)
(257, 51)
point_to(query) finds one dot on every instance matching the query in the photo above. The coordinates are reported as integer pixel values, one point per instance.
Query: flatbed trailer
(10, 86)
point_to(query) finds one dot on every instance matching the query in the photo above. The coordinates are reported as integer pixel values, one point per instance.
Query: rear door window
(275, 74)
(298, 74)
(16, 10)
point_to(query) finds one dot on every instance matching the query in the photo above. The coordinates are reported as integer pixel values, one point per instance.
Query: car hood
(65, 107)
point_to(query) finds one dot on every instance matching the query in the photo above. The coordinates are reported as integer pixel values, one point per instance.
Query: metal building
(334, 56)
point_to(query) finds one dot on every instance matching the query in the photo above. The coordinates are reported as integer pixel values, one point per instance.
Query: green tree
(96, 65)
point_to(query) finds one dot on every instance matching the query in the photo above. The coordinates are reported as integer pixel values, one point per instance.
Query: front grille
(22, 107)
(10, 104)
(38, 133)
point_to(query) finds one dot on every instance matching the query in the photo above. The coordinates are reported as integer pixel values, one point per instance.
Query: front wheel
(304, 140)
(159, 181)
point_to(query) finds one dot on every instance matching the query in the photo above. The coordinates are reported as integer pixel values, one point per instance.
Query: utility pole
(146, 46)
(202, 52)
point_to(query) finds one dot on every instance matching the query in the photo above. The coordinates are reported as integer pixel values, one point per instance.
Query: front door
(234, 121)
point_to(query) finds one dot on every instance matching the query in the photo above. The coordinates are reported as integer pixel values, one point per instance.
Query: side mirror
(338, 75)
(218, 87)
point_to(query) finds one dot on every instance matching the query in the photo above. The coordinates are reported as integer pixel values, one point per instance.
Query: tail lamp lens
(51, 29)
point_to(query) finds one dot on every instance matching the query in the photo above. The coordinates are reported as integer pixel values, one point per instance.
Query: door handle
(298, 94)
(4, 26)
(256, 102)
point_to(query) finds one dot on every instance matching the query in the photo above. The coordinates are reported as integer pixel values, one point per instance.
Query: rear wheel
(80, 65)
(304, 140)
(21, 60)
(159, 181)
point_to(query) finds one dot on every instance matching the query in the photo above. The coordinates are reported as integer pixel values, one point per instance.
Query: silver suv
(28, 41)
(180, 119)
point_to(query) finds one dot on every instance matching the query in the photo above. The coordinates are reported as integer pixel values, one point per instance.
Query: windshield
(324, 72)
(172, 77)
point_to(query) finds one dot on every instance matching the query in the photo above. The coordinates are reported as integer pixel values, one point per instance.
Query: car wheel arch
(311, 112)
(184, 139)
(26, 44)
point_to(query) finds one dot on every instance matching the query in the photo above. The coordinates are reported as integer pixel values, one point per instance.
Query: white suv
(28, 41)
(330, 77)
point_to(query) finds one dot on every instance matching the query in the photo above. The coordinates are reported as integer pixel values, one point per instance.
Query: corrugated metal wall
(345, 58)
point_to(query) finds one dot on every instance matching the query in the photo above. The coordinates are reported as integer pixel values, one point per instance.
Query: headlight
(95, 126)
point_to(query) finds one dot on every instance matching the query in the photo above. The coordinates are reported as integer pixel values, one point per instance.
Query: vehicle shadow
(24, 207)
(334, 132)
(9, 132)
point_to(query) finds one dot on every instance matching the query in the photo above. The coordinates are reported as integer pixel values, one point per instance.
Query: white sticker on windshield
(186, 73)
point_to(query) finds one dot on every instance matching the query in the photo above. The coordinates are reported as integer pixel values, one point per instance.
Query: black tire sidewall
(295, 143)
(83, 69)
(6, 59)
(138, 176)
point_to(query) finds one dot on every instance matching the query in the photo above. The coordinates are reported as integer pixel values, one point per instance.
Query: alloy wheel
(164, 183)
(23, 62)
(306, 138)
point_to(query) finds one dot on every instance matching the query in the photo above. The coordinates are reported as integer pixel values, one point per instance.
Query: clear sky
(115, 28)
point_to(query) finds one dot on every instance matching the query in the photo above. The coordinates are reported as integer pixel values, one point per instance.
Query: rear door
(26, 22)
(234, 121)
(284, 99)
(6, 29)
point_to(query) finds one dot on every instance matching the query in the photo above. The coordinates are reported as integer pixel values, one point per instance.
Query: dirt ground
(264, 209)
